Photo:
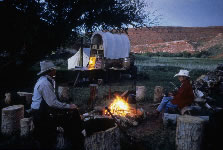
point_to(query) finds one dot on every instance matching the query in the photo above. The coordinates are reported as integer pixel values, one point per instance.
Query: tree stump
(11, 117)
(189, 132)
(140, 92)
(27, 126)
(93, 94)
(102, 134)
(158, 94)
(27, 95)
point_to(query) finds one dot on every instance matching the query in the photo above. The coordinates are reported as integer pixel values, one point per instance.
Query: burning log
(126, 114)
(125, 122)
(189, 132)
(125, 93)
(123, 116)
(119, 107)
(11, 117)
(114, 118)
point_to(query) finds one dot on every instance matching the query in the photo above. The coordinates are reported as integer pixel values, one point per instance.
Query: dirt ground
(151, 134)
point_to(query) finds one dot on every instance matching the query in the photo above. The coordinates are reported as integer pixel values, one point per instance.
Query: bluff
(174, 39)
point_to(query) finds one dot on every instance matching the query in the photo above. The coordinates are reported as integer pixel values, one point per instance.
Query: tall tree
(39, 26)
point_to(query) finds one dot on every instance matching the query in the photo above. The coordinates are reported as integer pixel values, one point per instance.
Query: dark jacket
(184, 95)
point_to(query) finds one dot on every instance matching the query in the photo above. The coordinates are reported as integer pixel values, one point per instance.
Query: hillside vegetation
(198, 41)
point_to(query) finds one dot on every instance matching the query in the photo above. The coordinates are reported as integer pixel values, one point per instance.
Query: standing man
(45, 107)
(183, 97)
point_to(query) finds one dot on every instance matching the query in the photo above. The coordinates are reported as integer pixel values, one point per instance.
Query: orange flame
(92, 62)
(119, 107)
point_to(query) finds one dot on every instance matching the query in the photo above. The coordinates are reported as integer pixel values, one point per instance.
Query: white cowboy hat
(45, 66)
(182, 73)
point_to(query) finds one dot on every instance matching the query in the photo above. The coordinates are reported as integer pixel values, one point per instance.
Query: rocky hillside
(174, 39)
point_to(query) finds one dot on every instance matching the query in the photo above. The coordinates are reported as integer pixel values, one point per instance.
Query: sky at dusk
(188, 13)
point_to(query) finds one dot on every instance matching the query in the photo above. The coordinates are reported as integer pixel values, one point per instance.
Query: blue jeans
(165, 104)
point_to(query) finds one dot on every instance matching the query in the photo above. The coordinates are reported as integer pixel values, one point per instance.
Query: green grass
(216, 50)
(160, 71)
(151, 76)
(186, 63)
(152, 71)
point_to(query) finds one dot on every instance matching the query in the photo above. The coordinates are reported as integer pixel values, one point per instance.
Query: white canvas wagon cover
(115, 45)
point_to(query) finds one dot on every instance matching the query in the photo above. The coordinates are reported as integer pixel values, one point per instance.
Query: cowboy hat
(45, 66)
(182, 73)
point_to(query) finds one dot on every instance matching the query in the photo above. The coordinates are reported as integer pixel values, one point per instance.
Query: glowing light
(119, 107)
(92, 62)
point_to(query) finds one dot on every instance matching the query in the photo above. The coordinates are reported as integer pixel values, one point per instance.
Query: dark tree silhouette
(36, 27)
(30, 29)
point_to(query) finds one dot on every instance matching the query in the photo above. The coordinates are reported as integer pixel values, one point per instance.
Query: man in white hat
(183, 97)
(43, 101)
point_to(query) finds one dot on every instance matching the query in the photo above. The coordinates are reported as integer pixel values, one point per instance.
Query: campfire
(126, 113)
(119, 107)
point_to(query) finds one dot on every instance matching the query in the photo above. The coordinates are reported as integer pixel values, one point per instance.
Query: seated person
(184, 96)
(45, 107)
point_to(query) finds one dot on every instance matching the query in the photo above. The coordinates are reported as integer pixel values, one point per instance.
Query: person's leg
(44, 131)
(163, 103)
(169, 105)
(73, 125)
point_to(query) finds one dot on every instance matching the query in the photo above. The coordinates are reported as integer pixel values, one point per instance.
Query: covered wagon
(110, 50)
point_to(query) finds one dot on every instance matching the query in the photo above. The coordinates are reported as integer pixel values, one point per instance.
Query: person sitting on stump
(45, 108)
(184, 96)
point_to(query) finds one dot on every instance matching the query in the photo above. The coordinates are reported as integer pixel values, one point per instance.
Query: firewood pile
(208, 90)
(129, 120)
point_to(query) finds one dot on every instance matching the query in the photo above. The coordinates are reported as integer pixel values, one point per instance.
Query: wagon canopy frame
(115, 46)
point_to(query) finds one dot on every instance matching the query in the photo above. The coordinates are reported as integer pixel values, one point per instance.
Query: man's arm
(49, 96)
(179, 94)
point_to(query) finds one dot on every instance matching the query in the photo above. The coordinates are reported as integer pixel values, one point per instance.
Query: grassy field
(151, 72)
(186, 63)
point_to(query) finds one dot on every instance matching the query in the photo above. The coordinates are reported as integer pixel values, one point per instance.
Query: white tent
(115, 45)
(75, 60)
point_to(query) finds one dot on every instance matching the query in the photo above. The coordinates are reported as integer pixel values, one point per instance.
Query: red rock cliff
(171, 39)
